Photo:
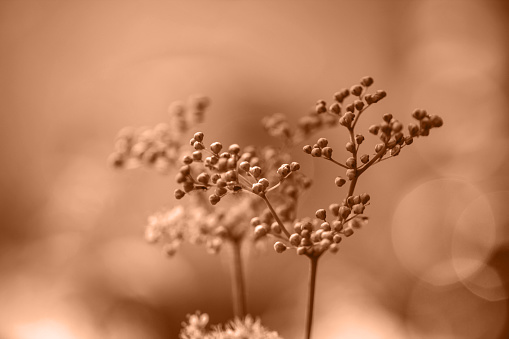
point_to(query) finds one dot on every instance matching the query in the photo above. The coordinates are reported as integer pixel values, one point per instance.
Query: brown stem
(237, 277)
(313, 264)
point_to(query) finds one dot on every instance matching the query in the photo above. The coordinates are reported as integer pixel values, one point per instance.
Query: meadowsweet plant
(269, 184)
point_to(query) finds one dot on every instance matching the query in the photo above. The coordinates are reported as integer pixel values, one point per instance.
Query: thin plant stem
(274, 214)
(237, 277)
(313, 265)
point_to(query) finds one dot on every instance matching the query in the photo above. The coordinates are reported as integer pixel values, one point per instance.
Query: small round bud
(359, 138)
(337, 225)
(279, 247)
(321, 107)
(198, 146)
(356, 90)
(358, 209)
(379, 147)
(179, 194)
(198, 136)
(255, 221)
(327, 152)
(260, 231)
(359, 105)
(334, 208)
(337, 238)
(216, 147)
(295, 239)
(395, 151)
(397, 126)
(335, 108)
(180, 178)
(350, 147)
(301, 250)
(264, 182)
(344, 212)
(339, 181)
(307, 149)
(284, 170)
(197, 155)
(387, 117)
(275, 228)
(348, 232)
(409, 140)
(192, 141)
(325, 226)
(367, 81)
(221, 182)
(419, 114)
(322, 142)
(214, 199)
(350, 162)
(321, 214)
(316, 152)
(244, 165)
(365, 198)
(373, 129)
(203, 178)
(255, 171)
(436, 121)
(257, 188)
(350, 108)
(234, 149)
(221, 191)
(187, 160)
(294, 166)
(364, 158)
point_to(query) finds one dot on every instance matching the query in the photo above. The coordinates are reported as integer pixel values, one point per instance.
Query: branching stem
(237, 277)
(313, 265)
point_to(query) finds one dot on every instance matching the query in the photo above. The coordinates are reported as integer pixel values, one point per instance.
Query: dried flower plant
(268, 184)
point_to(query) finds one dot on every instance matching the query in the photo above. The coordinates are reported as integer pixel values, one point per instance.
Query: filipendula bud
(364, 158)
(367, 81)
(198, 136)
(322, 142)
(179, 194)
(279, 247)
(321, 214)
(214, 199)
(327, 152)
(307, 149)
(216, 147)
(295, 239)
(356, 90)
(294, 166)
(339, 181)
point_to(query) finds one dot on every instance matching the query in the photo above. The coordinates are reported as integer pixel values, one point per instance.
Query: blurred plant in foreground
(264, 185)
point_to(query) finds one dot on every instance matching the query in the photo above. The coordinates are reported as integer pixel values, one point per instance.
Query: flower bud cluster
(312, 237)
(229, 171)
(278, 126)
(158, 147)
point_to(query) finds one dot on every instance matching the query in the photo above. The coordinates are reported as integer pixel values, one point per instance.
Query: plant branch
(274, 214)
(237, 277)
(313, 265)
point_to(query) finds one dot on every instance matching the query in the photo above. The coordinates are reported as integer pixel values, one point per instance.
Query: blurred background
(432, 263)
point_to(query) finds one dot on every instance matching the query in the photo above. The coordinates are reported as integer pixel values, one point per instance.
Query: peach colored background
(73, 262)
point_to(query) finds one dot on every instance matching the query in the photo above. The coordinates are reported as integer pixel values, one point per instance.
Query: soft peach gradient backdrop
(433, 262)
